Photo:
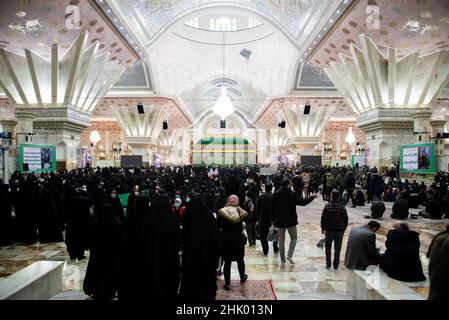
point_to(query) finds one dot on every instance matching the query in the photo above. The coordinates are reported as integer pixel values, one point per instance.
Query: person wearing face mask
(178, 208)
(116, 204)
(131, 198)
(188, 197)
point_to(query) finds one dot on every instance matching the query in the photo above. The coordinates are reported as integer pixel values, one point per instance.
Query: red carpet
(250, 290)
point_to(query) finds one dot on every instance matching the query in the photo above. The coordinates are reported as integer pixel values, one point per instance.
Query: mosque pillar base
(61, 127)
(9, 151)
(24, 129)
(385, 131)
(442, 159)
(421, 125)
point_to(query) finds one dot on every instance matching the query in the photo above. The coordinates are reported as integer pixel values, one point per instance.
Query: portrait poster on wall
(418, 158)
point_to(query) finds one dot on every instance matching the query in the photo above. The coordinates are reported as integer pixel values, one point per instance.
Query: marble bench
(374, 284)
(39, 281)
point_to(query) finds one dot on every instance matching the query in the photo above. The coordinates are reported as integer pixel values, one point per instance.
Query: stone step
(39, 281)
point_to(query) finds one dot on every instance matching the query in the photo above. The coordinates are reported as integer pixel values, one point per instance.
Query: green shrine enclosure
(224, 150)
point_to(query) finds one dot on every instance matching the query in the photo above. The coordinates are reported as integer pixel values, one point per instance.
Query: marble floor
(308, 279)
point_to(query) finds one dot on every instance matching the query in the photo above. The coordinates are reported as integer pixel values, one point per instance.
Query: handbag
(257, 227)
(272, 234)
(345, 196)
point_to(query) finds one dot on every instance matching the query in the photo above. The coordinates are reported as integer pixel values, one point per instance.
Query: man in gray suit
(361, 250)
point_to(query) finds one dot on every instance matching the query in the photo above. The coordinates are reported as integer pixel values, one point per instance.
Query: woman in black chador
(115, 202)
(77, 227)
(6, 220)
(50, 224)
(200, 252)
(131, 260)
(102, 271)
(161, 244)
(24, 196)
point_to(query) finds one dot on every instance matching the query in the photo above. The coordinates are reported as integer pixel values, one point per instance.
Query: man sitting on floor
(401, 259)
(400, 208)
(361, 250)
(377, 210)
(434, 208)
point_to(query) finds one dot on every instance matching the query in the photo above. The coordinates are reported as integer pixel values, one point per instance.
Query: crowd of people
(183, 226)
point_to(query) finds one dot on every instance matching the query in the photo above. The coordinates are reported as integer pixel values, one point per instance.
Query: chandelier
(94, 137)
(350, 138)
(155, 5)
(223, 106)
(286, 5)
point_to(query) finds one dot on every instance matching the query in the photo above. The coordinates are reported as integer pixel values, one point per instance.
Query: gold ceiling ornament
(287, 5)
(156, 5)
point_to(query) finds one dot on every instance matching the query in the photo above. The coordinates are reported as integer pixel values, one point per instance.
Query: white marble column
(442, 160)
(186, 146)
(421, 126)
(338, 142)
(391, 97)
(262, 145)
(9, 152)
(24, 127)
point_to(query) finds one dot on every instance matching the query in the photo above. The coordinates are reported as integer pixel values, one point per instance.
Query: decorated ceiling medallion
(28, 26)
(416, 26)
(155, 5)
(287, 5)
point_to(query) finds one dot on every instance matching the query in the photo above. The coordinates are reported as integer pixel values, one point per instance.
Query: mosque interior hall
(241, 149)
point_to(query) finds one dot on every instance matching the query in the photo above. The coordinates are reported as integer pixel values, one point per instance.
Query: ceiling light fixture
(95, 137)
(223, 106)
(350, 138)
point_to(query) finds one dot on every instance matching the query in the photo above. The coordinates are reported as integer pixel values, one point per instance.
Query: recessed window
(223, 24)
(193, 23)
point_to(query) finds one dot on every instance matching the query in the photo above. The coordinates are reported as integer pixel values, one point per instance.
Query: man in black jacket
(350, 185)
(376, 186)
(334, 222)
(264, 214)
(285, 201)
(400, 208)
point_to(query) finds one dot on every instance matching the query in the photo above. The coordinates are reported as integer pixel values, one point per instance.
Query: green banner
(418, 158)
